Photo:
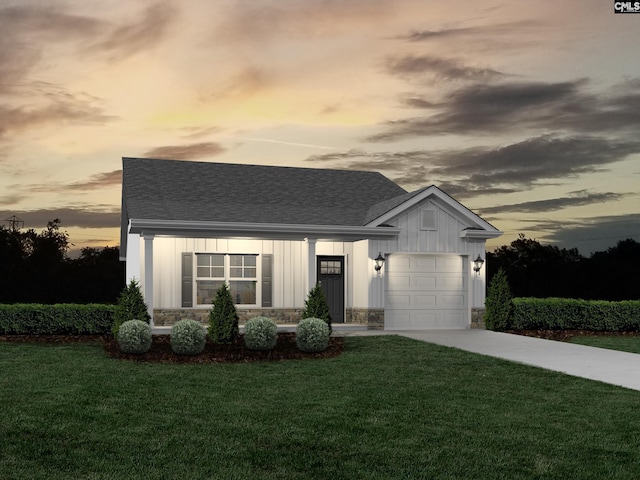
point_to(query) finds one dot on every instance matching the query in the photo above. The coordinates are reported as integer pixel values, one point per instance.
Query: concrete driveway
(603, 365)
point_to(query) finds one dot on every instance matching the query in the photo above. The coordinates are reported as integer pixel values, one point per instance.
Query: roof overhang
(269, 231)
(471, 233)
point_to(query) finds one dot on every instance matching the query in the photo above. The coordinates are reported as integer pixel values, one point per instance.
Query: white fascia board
(258, 230)
(449, 201)
(481, 234)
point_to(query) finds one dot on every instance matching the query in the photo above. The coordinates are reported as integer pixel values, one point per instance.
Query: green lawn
(388, 408)
(625, 343)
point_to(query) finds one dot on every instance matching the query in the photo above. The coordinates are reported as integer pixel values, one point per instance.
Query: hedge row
(572, 314)
(61, 319)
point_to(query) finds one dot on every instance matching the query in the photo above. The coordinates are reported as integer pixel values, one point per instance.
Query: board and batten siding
(288, 274)
(443, 239)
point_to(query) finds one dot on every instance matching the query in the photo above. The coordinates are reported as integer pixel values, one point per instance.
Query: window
(330, 267)
(239, 271)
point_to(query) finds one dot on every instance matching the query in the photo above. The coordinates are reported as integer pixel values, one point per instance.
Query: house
(272, 232)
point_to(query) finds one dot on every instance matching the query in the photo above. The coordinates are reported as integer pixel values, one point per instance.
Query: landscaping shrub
(223, 317)
(498, 308)
(134, 336)
(312, 335)
(260, 333)
(188, 337)
(130, 306)
(572, 314)
(315, 306)
(60, 319)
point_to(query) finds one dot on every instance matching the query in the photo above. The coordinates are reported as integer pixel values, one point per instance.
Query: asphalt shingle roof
(222, 192)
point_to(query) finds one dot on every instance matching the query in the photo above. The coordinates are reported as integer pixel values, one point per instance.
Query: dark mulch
(567, 335)
(160, 352)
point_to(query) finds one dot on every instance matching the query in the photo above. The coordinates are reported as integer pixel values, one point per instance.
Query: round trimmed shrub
(260, 333)
(134, 336)
(188, 337)
(312, 335)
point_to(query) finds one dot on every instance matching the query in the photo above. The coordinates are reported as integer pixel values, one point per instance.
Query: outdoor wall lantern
(478, 262)
(379, 263)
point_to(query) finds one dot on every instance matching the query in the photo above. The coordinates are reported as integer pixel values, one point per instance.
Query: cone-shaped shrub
(498, 305)
(130, 306)
(315, 306)
(260, 333)
(188, 337)
(223, 317)
(134, 336)
(312, 335)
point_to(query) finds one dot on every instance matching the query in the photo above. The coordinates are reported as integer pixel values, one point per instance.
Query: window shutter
(187, 279)
(267, 280)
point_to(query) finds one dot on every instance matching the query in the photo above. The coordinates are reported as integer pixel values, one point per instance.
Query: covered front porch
(285, 272)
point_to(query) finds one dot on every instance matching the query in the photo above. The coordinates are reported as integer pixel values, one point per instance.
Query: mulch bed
(567, 335)
(160, 352)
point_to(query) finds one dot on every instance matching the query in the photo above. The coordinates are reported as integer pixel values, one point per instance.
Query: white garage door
(426, 292)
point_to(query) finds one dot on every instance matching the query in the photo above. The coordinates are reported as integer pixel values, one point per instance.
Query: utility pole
(15, 223)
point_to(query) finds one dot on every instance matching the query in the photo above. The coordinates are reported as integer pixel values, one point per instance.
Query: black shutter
(267, 280)
(187, 279)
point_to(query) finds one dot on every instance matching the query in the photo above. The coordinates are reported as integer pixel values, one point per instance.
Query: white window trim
(227, 278)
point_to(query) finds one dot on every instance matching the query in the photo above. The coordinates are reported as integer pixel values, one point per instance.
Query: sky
(527, 112)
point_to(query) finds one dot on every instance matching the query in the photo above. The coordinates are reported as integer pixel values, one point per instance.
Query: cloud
(507, 29)
(536, 206)
(138, 35)
(99, 180)
(481, 170)
(517, 106)
(590, 235)
(481, 38)
(11, 199)
(186, 152)
(27, 31)
(437, 68)
(76, 110)
(69, 216)
(260, 22)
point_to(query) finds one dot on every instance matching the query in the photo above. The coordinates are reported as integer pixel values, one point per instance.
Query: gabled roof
(388, 209)
(202, 199)
(221, 192)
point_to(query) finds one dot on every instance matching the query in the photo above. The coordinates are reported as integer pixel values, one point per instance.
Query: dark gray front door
(331, 277)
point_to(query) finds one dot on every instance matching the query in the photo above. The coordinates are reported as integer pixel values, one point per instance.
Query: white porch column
(133, 258)
(311, 264)
(148, 273)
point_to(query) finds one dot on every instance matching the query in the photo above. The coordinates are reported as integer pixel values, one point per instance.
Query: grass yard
(624, 343)
(389, 407)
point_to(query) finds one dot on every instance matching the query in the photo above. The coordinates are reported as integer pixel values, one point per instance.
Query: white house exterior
(271, 233)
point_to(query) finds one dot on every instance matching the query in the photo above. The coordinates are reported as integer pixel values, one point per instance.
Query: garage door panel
(399, 301)
(453, 301)
(426, 292)
(424, 264)
(420, 301)
(451, 282)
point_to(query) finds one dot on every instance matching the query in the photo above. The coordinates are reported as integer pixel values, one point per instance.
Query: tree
(315, 306)
(131, 306)
(536, 270)
(223, 317)
(498, 306)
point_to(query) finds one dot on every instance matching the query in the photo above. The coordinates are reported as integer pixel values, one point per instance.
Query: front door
(331, 277)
